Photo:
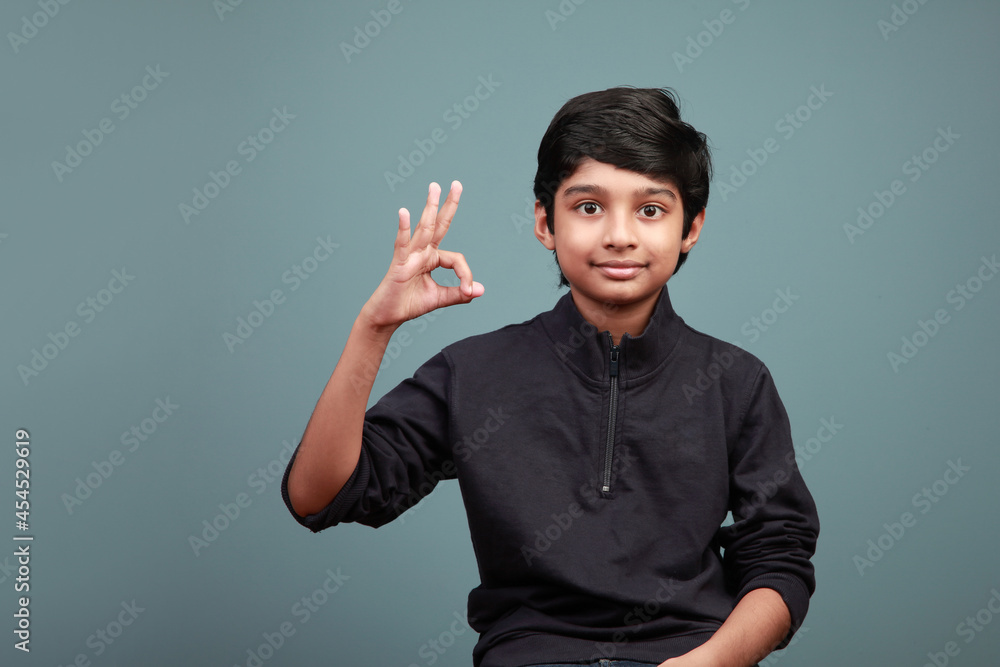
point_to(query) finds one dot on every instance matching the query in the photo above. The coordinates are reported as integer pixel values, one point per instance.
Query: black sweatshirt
(596, 479)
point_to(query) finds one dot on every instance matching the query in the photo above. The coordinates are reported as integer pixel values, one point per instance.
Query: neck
(618, 319)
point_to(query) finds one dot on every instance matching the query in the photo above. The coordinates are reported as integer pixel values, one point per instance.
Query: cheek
(672, 241)
(570, 248)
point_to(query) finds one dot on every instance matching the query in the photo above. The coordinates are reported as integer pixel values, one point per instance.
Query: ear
(542, 232)
(688, 242)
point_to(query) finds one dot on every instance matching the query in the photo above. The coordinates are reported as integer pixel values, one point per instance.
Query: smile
(620, 270)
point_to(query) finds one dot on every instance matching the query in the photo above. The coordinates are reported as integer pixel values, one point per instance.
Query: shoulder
(739, 381)
(728, 357)
(497, 343)
(478, 352)
(711, 366)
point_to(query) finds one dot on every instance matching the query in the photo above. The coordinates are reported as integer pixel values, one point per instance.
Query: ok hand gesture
(408, 291)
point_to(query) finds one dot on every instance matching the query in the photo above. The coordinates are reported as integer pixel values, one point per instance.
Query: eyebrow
(591, 189)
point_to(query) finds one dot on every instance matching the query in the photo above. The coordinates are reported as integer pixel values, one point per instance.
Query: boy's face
(617, 234)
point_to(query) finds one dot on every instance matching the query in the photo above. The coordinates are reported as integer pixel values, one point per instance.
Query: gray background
(161, 337)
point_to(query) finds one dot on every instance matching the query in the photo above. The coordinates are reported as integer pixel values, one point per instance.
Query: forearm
(753, 629)
(331, 443)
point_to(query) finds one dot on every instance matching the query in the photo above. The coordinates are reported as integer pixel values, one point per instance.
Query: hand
(408, 290)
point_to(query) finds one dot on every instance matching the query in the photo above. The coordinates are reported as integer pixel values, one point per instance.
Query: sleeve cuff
(338, 508)
(792, 591)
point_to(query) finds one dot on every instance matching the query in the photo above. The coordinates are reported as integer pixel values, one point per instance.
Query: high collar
(588, 347)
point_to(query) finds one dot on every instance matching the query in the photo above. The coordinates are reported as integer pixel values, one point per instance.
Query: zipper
(609, 448)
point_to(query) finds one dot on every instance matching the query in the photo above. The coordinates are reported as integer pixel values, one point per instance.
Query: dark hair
(639, 129)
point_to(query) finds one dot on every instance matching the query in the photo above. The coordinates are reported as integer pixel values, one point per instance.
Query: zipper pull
(614, 360)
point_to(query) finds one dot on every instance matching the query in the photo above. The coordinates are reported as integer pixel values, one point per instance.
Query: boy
(598, 446)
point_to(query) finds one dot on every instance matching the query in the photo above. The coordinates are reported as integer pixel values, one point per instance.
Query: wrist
(373, 329)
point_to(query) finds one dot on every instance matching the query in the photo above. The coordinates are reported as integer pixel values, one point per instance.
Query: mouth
(620, 270)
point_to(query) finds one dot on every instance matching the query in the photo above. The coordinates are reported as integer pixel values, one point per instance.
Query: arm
(769, 546)
(754, 628)
(331, 443)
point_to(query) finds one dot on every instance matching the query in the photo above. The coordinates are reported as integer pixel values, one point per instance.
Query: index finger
(446, 213)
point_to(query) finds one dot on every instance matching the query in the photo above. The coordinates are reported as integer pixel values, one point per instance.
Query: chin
(619, 294)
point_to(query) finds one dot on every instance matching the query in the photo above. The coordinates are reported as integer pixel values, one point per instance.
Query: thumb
(454, 295)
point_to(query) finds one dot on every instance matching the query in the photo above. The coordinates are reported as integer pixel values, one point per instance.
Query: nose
(619, 231)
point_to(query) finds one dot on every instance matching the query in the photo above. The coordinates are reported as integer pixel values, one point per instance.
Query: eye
(650, 210)
(587, 207)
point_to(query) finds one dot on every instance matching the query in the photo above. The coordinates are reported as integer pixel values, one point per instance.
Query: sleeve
(404, 453)
(775, 523)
